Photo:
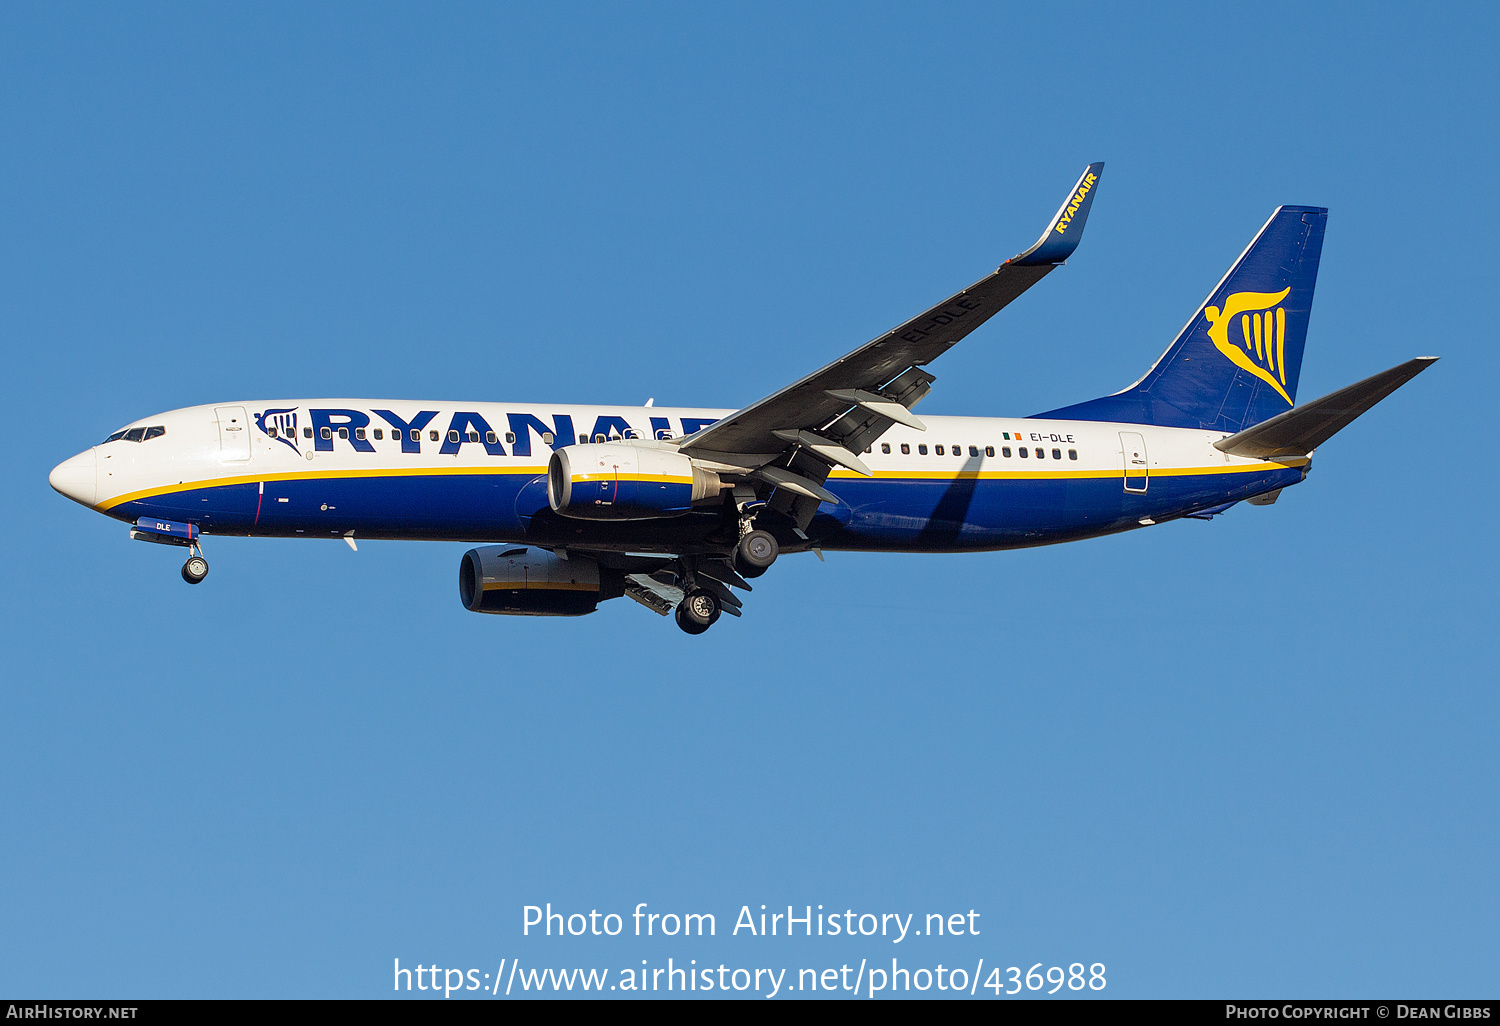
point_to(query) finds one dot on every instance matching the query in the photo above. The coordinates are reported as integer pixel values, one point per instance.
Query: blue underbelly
(883, 513)
(1004, 513)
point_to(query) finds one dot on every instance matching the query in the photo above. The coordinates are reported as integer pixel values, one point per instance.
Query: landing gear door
(1133, 447)
(234, 434)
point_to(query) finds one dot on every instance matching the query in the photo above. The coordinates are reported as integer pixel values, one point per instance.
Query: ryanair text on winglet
(1076, 202)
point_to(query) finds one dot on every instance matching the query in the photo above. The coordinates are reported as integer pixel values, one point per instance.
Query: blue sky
(1251, 757)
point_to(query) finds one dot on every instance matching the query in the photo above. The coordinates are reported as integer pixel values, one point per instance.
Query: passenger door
(1133, 447)
(234, 434)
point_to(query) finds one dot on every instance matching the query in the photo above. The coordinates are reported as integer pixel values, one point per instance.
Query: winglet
(1062, 235)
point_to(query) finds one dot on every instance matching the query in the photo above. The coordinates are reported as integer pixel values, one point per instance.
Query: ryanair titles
(318, 430)
(1076, 202)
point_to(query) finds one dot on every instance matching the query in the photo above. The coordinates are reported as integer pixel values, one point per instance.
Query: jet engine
(621, 481)
(522, 581)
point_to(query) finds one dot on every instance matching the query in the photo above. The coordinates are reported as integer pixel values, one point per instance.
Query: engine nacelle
(518, 581)
(621, 481)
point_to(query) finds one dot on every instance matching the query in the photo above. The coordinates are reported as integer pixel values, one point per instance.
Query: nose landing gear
(195, 569)
(170, 532)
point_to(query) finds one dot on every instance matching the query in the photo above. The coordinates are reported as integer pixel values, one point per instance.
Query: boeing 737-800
(677, 508)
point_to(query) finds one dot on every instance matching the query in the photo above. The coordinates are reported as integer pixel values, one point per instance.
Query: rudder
(1237, 361)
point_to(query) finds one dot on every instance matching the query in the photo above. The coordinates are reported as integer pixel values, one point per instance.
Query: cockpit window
(139, 434)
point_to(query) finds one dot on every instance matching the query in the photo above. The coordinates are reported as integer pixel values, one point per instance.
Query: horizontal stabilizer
(1299, 431)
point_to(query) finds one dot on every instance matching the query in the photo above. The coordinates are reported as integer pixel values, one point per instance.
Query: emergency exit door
(1133, 447)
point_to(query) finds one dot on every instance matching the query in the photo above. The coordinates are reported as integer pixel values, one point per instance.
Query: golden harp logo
(1261, 347)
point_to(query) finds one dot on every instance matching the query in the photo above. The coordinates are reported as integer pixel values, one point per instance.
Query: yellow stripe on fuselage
(1002, 475)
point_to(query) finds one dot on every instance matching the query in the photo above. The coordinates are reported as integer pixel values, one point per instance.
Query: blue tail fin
(1236, 362)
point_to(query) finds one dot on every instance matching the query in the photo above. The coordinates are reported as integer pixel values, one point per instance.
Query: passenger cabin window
(1072, 454)
(599, 438)
(922, 450)
(510, 437)
(958, 450)
(489, 437)
(546, 437)
(416, 435)
(343, 432)
(989, 450)
(307, 432)
(885, 447)
(1005, 451)
(1040, 454)
(974, 450)
(938, 449)
(452, 436)
(583, 439)
(1057, 454)
(433, 436)
(473, 436)
(379, 434)
(326, 432)
(869, 449)
(905, 449)
(359, 433)
(1023, 452)
(270, 432)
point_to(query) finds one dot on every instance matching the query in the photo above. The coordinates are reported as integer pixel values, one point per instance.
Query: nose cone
(75, 478)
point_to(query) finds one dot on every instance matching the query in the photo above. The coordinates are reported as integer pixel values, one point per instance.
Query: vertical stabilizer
(1237, 361)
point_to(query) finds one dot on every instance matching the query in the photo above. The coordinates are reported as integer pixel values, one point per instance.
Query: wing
(834, 413)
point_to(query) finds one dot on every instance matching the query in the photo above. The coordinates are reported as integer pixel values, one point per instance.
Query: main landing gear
(755, 553)
(698, 611)
(706, 582)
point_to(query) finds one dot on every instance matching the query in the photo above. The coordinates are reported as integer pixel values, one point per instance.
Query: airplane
(679, 509)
